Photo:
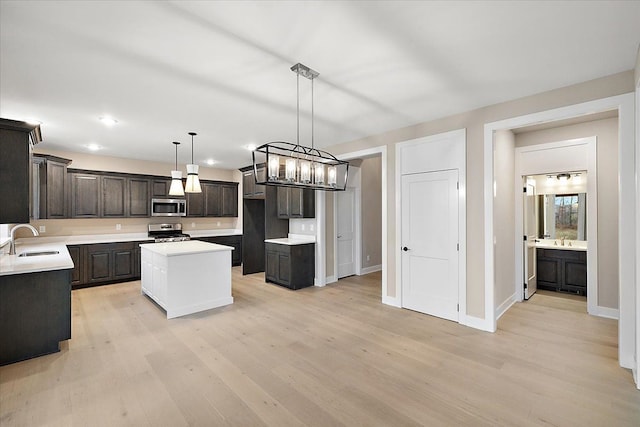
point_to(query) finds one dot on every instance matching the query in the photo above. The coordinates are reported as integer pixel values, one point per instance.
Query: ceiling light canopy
(294, 165)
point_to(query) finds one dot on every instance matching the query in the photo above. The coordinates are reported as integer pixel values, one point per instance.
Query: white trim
(506, 304)
(592, 207)
(357, 238)
(609, 313)
(321, 241)
(372, 269)
(370, 152)
(636, 365)
(393, 301)
(626, 226)
(331, 279)
(458, 141)
(474, 322)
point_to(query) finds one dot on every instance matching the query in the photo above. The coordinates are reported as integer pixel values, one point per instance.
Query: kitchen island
(186, 277)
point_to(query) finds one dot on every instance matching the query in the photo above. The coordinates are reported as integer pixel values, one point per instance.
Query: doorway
(346, 235)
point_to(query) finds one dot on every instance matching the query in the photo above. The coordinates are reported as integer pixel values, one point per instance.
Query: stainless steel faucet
(12, 247)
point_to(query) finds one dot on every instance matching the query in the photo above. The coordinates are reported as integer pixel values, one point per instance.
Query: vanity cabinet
(296, 203)
(292, 266)
(562, 270)
(16, 141)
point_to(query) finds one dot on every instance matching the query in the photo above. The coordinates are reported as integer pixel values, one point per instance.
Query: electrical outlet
(118, 226)
(42, 229)
(311, 227)
(193, 225)
(218, 224)
(303, 227)
(368, 257)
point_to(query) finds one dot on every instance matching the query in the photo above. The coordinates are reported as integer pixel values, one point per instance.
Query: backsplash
(302, 226)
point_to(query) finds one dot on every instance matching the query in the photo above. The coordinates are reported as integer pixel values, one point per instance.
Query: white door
(345, 229)
(430, 243)
(529, 244)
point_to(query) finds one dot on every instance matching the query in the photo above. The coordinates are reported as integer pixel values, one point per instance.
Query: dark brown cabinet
(77, 256)
(234, 241)
(562, 270)
(296, 203)
(215, 200)
(49, 187)
(160, 187)
(250, 190)
(113, 196)
(16, 140)
(107, 262)
(139, 201)
(292, 266)
(85, 195)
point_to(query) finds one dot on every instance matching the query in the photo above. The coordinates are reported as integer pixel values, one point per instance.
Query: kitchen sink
(39, 253)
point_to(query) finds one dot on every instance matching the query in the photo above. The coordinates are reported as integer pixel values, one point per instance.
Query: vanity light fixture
(563, 177)
(294, 165)
(176, 177)
(193, 182)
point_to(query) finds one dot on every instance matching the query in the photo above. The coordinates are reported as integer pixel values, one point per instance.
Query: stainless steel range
(167, 233)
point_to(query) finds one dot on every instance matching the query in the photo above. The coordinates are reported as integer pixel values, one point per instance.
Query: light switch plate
(42, 229)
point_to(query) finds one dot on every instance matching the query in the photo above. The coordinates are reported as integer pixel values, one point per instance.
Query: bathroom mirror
(562, 215)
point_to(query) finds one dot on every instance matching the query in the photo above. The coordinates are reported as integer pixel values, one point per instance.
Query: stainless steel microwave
(168, 207)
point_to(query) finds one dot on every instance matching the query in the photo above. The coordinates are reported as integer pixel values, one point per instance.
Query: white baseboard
(393, 301)
(609, 313)
(502, 308)
(476, 323)
(331, 279)
(372, 269)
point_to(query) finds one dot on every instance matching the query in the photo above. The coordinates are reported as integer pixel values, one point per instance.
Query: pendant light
(294, 165)
(193, 182)
(176, 178)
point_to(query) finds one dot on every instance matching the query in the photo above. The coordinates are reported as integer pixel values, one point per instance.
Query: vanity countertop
(569, 245)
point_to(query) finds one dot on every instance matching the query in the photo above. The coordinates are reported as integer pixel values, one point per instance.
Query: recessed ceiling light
(108, 121)
(251, 147)
(210, 162)
(93, 147)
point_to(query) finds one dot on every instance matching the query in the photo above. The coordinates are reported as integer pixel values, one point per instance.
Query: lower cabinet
(292, 266)
(35, 314)
(105, 263)
(562, 270)
(235, 241)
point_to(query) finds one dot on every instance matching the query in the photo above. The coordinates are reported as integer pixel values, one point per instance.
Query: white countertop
(87, 239)
(14, 264)
(184, 248)
(293, 239)
(569, 245)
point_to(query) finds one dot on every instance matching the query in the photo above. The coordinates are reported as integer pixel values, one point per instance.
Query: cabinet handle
(339, 236)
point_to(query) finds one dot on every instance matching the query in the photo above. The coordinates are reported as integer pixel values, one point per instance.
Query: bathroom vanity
(562, 269)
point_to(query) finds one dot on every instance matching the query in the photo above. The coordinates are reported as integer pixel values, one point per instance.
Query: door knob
(339, 236)
(405, 249)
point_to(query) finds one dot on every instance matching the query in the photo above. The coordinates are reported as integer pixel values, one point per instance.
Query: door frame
(446, 151)
(624, 104)
(357, 237)
(561, 164)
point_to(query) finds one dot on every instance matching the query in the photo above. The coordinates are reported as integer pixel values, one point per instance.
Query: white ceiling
(221, 69)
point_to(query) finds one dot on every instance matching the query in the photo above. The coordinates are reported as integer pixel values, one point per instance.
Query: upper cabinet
(114, 197)
(49, 187)
(16, 141)
(250, 190)
(139, 197)
(85, 195)
(296, 203)
(216, 200)
(160, 187)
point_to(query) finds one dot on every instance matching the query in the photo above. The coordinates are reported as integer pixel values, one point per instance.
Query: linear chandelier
(293, 165)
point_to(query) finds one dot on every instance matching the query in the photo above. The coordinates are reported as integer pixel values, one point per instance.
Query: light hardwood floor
(320, 357)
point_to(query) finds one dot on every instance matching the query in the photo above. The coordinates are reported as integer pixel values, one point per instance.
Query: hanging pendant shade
(176, 178)
(193, 182)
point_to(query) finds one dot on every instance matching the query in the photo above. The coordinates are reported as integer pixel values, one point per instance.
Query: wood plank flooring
(333, 356)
